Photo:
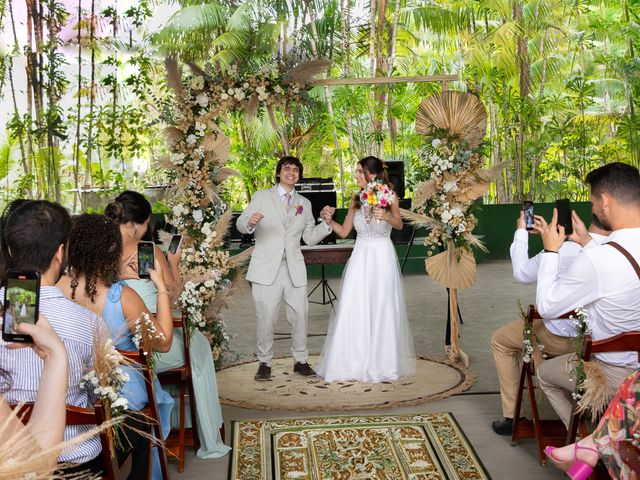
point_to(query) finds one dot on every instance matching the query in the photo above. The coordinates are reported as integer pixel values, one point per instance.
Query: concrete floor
(490, 303)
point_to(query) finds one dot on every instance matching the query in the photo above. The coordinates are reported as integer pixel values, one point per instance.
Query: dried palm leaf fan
(461, 114)
(453, 268)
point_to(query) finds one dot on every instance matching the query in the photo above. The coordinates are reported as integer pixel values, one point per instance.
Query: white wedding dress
(369, 339)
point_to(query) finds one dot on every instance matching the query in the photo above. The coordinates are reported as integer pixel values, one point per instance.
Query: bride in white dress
(369, 339)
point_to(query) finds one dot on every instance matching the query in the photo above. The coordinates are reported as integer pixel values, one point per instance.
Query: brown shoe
(303, 369)
(264, 373)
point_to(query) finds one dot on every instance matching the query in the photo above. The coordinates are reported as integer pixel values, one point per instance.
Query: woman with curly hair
(95, 249)
(132, 212)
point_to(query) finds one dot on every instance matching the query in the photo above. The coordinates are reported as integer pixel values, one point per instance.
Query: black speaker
(395, 171)
(318, 201)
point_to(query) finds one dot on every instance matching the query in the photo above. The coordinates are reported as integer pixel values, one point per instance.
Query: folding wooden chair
(151, 410)
(181, 377)
(622, 342)
(546, 432)
(90, 416)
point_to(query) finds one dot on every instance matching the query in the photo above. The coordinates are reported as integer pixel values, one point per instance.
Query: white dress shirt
(75, 325)
(525, 270)
(601, 280)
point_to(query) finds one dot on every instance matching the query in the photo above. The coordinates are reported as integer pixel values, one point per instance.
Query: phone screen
(564, 215)
(146, 258)
(176, 240)
(527, 208)
(21, 302)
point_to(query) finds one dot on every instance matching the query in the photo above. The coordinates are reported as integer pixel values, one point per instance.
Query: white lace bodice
(367, 227)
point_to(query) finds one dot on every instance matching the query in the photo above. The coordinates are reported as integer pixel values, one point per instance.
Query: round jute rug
(435, 378)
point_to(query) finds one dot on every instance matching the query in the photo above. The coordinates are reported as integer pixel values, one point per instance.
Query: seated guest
(620, 422)
(4, 253)
(37, 235)
(602, 279)
(554, 334)
(20, 454)
(132, 212)
(95, 248)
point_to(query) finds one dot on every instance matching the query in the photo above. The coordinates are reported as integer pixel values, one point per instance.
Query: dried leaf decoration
(461, 114)
(453, 268)
(174, 75)
(305, 72)
(218, 145)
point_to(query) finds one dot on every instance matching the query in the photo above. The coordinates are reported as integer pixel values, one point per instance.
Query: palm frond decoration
(418, 219)
(305, 72)
(454, 268)
(241, 258)
(423, 192)
(252, 107)
(174, 75)
(461, 114)
(217, 145)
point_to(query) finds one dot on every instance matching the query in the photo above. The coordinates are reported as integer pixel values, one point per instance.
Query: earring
(135, 231)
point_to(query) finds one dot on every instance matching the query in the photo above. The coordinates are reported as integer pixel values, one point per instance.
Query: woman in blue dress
(95, 248)
(132, 212)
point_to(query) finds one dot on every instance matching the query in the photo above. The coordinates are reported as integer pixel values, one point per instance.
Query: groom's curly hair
(95, 248)
(286, 160)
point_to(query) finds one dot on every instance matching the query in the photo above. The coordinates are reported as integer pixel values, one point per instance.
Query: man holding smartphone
(279, 217)
(37, 234)
(554, 334)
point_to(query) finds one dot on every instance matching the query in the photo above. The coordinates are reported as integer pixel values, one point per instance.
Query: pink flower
(299, 209)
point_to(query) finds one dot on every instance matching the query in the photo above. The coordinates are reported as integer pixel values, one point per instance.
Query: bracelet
(163, 292)
(550, 251)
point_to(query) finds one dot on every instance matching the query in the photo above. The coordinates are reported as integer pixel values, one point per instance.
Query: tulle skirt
(369, 339)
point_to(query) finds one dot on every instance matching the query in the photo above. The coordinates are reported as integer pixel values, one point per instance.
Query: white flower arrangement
(196, 208)
(106, 380)
(146, 337)
(581, 322)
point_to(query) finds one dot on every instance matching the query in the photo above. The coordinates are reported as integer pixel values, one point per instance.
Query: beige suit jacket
(278, 234)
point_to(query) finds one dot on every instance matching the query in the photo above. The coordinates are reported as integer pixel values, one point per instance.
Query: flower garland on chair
(453, 125)
(199, 151)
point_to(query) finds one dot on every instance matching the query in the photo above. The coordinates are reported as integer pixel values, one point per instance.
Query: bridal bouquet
(376, 194)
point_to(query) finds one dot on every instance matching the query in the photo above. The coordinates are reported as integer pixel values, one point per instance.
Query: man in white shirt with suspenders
(554, 334)
(604, 279)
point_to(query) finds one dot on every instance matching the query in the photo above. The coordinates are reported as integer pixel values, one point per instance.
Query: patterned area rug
(435, 378)
(390, 447)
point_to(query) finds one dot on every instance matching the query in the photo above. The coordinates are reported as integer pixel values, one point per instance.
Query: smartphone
(564, 215)
(146, 258)
(527, 208)
(175, 243)
(21, 303)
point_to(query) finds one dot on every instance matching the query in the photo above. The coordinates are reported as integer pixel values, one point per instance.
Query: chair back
(622, 342)
(140, 360)
(88, 416)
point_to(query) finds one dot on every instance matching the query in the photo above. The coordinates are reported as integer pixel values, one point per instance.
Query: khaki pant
(267, 299)
(506, 344)
(554, 377)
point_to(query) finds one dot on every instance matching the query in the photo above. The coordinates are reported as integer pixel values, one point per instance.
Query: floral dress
(620, 422)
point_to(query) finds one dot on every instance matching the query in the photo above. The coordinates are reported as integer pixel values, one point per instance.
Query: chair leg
(162, 454)
(516, 415)
(181, 433)
(222, 432)
(194, 414)
(537, 425)
(572, 431)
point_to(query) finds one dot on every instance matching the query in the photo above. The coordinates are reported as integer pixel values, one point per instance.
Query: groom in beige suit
(279, 217)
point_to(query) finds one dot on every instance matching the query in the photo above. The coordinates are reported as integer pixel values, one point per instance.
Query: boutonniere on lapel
(299, 209)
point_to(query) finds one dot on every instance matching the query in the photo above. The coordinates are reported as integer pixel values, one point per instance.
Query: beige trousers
(267, 299)
(506, 344)
(554, 377)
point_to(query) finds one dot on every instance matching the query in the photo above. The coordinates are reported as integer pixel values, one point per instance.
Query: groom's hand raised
(255, 219)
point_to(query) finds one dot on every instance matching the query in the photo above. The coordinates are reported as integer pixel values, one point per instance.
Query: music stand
(328, 295)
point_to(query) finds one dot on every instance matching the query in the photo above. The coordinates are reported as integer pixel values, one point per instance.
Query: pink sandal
(577, 470)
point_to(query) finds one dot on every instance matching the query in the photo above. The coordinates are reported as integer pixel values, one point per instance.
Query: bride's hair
(371, 165)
